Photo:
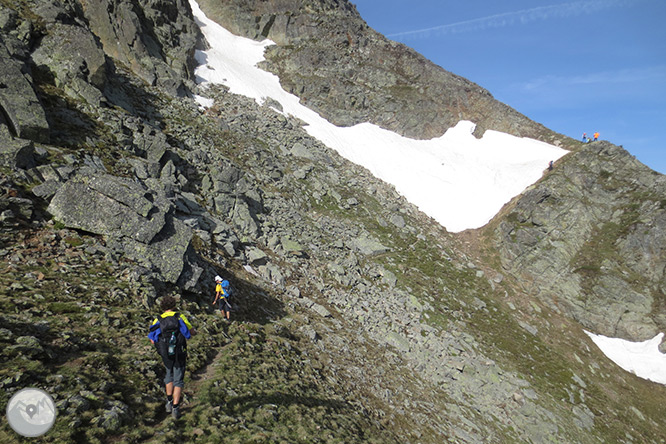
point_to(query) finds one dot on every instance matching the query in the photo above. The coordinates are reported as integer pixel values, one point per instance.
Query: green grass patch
(64, 307)
(265, 390)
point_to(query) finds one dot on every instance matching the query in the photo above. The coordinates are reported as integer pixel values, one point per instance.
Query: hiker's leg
(168, 381)
(176, 395)
(178, 383)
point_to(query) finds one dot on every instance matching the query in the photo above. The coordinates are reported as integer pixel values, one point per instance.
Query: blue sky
(574, 66)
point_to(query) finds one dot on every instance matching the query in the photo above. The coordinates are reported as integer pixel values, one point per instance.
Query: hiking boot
(176, 412)
(168, 406)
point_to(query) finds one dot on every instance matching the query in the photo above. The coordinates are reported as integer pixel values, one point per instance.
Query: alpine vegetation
(248, 221)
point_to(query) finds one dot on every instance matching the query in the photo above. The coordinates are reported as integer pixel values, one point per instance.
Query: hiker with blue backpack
(170, 332)
(222, 294)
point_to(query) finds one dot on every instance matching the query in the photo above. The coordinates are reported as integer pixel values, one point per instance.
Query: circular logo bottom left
(31, 412)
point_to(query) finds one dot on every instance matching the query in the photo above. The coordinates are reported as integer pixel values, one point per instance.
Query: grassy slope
(259, 380)
(251, 381)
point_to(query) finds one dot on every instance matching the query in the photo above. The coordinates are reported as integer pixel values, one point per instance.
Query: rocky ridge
(589, 241)
(387, 328)
(328, 56)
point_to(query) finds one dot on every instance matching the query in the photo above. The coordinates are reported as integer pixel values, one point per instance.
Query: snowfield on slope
(640, 358)
(460, 181)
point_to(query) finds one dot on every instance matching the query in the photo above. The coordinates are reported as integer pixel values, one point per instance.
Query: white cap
(218, 278)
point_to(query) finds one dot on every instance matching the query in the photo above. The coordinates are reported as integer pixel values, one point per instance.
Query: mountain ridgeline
(329, 57)
(356, 317)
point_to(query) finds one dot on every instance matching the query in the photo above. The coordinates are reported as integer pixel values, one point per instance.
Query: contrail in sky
(655, 75)
(521, 17)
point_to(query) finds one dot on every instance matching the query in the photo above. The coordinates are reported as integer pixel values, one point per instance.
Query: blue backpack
(226, 289)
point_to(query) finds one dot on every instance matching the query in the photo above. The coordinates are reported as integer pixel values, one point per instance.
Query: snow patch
(640, 358)
(204, 102)
(458, 180)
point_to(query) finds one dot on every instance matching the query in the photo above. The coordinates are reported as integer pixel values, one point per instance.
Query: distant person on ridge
(584, 137)
(170, 332)
(596, 136)
(550, 166)
(222, 293)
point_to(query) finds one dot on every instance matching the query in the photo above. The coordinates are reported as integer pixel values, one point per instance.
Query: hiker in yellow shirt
(222, 293)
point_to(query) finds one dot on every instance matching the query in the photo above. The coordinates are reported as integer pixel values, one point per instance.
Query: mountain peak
(327, 55)
(357, 317)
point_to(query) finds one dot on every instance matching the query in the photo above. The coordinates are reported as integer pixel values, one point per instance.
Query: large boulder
(15, 153)
(72, 57)
(166, 254)
(18, 101)
(108, 205)
(138, 221)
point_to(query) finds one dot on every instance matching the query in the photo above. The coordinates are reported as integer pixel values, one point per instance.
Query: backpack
(171, 342)
(226, 289)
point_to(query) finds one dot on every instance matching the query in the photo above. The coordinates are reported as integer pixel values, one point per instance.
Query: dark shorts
(175, 375)
(223, 305)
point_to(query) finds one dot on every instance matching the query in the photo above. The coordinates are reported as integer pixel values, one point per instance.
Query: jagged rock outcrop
(155, 38)
(15, 153)
(590, 240)
(19, 106)
(73, 57)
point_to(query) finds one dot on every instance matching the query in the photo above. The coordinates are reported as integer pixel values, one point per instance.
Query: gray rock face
(368, 246)
(73, 57)
(135, 218)
(234, 197)
(166, 253)
(591, 238)
(156, 39)
(15, 153)
(108, 205)
(19, 102)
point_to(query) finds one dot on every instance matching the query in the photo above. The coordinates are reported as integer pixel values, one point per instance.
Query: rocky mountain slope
(357, 319)
(589, 241)
(329, 57)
